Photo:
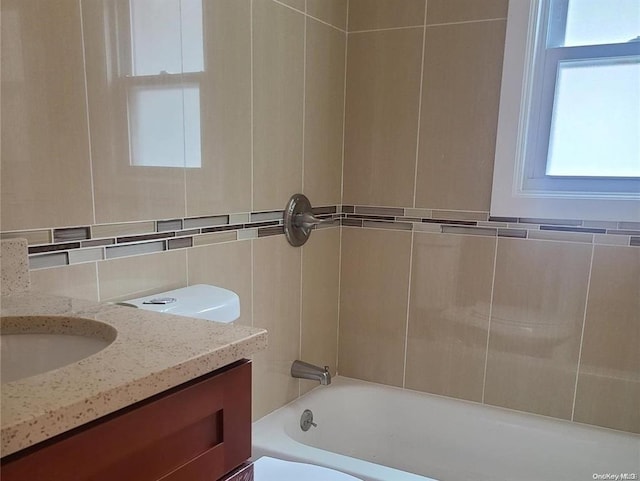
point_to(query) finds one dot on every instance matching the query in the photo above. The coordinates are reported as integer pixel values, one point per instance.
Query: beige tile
(278, 76)
(536, 322)
(324, 113)
(32, 236)
(223, 184)
(383, 86)
(46, 177)
(122, 191)
(77, 281)
(461, 91)
(115, 230)
(445, 11)
(214, 238)
(320, 291)
(334, 12)
(373, 304)
(449, 314)
(224, 265)
(276, 297)
(131, 277)
(297, 4)
(609, 381)
(375, 14)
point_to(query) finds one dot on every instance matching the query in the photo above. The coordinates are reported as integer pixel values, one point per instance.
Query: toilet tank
(201, 301)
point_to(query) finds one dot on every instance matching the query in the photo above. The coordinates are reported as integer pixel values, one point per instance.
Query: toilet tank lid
(201, 301)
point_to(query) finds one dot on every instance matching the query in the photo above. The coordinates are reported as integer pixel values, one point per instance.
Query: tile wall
(537, 315)
(271, 113)
(432, 294)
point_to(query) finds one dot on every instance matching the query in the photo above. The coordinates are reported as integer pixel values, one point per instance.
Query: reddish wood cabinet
(199, 431)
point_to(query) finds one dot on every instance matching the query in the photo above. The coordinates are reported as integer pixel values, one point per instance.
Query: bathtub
(381, 433)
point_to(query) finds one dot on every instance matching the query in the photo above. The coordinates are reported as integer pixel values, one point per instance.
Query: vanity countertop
(152, 352)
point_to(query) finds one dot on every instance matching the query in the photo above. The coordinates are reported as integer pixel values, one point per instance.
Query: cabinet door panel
(198, 431)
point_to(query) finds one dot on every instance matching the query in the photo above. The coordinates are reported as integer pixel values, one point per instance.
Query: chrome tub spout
(304, 370)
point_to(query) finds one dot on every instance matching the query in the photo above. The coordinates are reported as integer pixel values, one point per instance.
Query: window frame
(128, 81)
(519, 188)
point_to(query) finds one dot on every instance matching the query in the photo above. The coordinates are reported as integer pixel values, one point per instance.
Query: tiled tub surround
(436, 295)
(540, 325)
(150, 354)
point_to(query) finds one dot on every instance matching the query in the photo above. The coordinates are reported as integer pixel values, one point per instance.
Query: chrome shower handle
(306, 220)
(299, 220)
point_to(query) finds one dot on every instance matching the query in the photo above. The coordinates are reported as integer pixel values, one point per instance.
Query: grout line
(86, 103)
(339, 298)
(493, 284)
(465, 22)
(186, 257)
(290, 7)
(251, 100)
(306, 14)
(98, 280)
(301, 312)
(346, 20)
(424, 48)
(344, 112)
(304, 95)
(385, 29)
(304, 118)
(252, 283)
(584, 322)
(406, 331)
(326, 23)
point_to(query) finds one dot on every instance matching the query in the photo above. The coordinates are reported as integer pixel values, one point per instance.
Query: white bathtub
(380, 433)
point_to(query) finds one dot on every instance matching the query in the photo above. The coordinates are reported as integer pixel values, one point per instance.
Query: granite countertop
(151, 353)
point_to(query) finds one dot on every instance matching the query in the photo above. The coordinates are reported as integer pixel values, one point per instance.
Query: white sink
(31, 345)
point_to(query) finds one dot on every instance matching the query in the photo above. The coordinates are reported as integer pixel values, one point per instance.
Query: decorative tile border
(72, 245)
(79, 244)
(481, 223)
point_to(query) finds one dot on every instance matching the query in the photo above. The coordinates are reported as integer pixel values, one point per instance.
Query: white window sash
(509, 196)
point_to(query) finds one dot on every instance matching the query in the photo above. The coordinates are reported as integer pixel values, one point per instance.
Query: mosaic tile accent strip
(136, 238)
(481, 223)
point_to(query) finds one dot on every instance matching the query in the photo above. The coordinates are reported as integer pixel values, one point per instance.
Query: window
(568, 141)
(161, 63)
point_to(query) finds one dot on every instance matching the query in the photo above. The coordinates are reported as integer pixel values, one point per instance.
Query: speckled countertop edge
(152, 352)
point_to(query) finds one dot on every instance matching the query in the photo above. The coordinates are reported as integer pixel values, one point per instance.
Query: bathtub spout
(304, 370)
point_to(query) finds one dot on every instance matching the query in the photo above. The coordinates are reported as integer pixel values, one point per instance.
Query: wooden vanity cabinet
(198, 431)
